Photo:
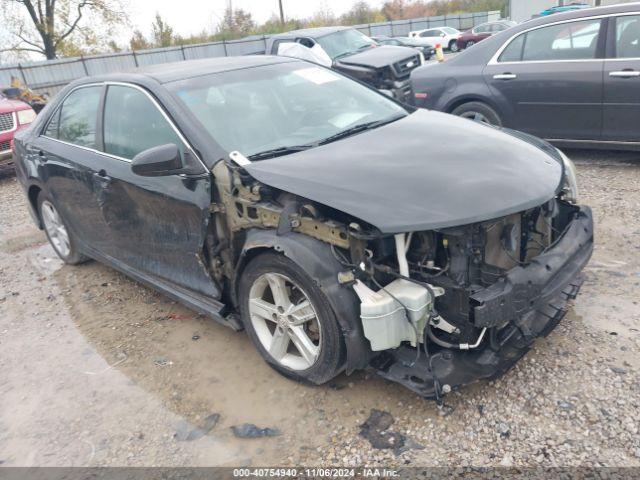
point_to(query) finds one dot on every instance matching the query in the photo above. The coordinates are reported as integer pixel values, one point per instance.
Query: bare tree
(46, 26)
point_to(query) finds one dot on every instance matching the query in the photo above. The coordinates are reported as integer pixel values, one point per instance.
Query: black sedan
(572, 78)
(284, 198)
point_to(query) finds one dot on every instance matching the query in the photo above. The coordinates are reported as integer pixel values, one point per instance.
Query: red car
(14, 116)
(479, 33)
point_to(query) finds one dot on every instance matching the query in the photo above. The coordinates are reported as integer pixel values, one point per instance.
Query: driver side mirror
(164, 160)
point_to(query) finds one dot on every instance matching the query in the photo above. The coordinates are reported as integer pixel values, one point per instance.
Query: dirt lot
(98, 370)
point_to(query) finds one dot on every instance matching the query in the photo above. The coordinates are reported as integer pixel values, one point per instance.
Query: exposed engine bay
(438, 309)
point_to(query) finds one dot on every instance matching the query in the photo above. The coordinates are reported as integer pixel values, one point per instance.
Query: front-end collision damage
(433, 310)
(249, 217)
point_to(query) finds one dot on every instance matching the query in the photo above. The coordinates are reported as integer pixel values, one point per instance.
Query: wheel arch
(455, 103)
(316, 259)
(33, 191)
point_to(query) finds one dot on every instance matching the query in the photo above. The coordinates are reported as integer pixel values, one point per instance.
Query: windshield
(284, 105)
(450, 31)
(343, 42)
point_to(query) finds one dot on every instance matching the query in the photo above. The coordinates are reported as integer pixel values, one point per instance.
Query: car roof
(175, 71)
(311, 32)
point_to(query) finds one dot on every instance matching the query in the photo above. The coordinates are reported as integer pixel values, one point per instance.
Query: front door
(622, 81)
(67, 154)
(550, 80)
(159, 223)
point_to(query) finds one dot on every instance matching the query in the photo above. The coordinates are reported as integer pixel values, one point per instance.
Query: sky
(192, 16)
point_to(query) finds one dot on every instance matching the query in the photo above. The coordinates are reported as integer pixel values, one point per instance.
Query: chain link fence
(51, 76)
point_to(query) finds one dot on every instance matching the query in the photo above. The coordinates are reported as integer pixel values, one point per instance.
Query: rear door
(622, 81)
(69, 160)
(159, 223)
(549, 80)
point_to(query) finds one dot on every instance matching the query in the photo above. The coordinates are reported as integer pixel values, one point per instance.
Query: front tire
(289, 319)
(58, 233)
(478, 112)
(470, 43)
(453, 46)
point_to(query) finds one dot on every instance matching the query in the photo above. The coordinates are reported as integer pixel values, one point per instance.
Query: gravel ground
(98, 370)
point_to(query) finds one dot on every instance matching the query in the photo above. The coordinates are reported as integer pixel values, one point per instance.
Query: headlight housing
(25, 117)
(570, 182)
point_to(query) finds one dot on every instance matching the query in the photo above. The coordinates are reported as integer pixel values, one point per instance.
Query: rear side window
(133, 123)
(566, 41)
(76, 119)
(628, 37)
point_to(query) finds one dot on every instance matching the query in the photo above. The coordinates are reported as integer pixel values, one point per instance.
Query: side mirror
(442, 35)
(158, 161)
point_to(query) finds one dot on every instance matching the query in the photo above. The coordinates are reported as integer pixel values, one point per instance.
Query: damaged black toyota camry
(339, 228)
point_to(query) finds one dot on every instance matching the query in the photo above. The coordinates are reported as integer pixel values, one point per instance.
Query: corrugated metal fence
(50, 76)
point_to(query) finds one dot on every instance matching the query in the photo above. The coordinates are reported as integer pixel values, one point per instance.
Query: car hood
(8, 105)
(427, 171)
(377, 57)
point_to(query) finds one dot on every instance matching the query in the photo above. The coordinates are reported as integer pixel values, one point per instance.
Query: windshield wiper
(357, 129)
(277, 152)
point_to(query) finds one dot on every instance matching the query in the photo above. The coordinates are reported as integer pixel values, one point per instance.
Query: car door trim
(109, 155)
(596, 142)
(496, 56)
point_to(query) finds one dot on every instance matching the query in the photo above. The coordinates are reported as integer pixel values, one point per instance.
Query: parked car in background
(14, 116)
(564, 8)
(561, 77)
(445, 36)
(350, 51)
(341, 229)
(479, 33)
(426, 49)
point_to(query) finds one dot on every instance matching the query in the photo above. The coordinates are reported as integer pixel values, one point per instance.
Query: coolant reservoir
(385, 321)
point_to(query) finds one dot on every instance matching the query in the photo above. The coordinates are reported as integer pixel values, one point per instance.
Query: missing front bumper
(528, 303)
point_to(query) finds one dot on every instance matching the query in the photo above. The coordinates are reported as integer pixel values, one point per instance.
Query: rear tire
(289, 320)
(470, 43)
(58, 233)
(479, 112)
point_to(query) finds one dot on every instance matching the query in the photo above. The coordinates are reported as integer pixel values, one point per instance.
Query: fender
(315, 258)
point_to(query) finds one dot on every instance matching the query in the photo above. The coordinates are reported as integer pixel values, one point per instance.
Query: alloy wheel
(285, 321)
(55, 228)
(476, 117)
(470, 43)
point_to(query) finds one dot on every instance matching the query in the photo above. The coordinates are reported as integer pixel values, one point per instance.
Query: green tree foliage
(162, 32)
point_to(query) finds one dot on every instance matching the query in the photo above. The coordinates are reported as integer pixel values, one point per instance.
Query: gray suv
(573, 79)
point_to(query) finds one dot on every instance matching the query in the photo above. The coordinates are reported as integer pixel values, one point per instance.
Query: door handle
(624, 74)
(505, 76)
(41, 156)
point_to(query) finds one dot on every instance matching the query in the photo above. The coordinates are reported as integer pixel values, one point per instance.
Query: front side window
(430, 33)
(628, 37)
(132, 123)
(344, 42)
(281, 106)
(75, 121)
(565, 41)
